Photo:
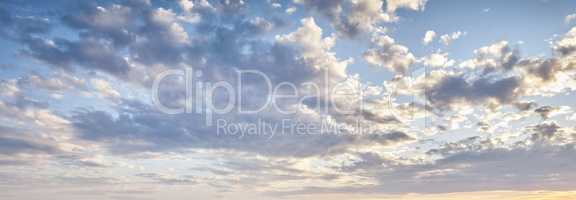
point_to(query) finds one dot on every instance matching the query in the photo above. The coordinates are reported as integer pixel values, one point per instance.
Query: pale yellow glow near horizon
(487, 195)
(497, 195)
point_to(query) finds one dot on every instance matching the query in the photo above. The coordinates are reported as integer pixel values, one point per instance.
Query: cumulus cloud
(162, 39)
(314, 49)
(361, 15)
(186, 5)
(499, 55)
(330, 9)
(452, 90)
(545, 131)
(438, 60)
(352, 18)
(114, 22)
(447, 39)
(387, 53)
(87, 52)
(543, 69)
(364, 16)
(428, 37)
(305, 52)
(393, 5)
(567, 44)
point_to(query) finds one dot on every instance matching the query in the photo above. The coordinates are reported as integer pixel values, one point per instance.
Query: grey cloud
(255, 25)
(11, 146)
(367, 115)
(231, 5)
(525, 169)
(475, 143)
(364, 16)
(87, 52)
(545, 111)
(282, 61)
(524, 106)
(329, 8)
(11, 162)
(481, 164)
(337, 12)
(144, 129)
(388, 138)
(162, 39)
(545, 131)
(368, 161)
(141, 128)
(111, 34)
(116, 23)
(165, 179)
(22, 27)
(150, 35)
(452, 89)
(544, 69)
(255, 166)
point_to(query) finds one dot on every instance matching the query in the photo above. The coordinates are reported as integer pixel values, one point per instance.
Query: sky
(288, 99)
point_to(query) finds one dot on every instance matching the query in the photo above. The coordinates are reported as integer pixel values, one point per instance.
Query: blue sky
(361, 99)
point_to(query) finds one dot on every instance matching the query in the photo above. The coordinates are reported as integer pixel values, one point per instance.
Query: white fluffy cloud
(315, 48)
(499, 55)
(428, 37)
(438, 59)
(387, 53)
(446, 39)
(393, 5)
(186, 5)
(567, 44)
(357, 17)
